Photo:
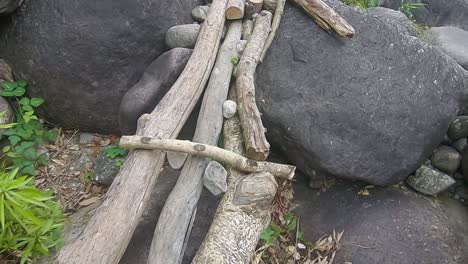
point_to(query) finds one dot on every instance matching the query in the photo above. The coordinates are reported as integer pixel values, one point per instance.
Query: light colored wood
(326, 17)
(173, 224)
(235, 9)
(247, 29)
(274, 26)
(213, 152)
(270, 5)
(243, 213)
(257, 5)
(256, 144)
(107, 234)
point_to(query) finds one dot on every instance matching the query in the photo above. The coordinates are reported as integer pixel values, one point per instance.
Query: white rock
(215, 178)
(229, 109)
(176, 159)
(182, 36)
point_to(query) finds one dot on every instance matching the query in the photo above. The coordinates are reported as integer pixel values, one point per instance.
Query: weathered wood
(235, 9)
(326, 17)
(270, 5)
(274, 26)
(213, 152)
(247, 29)
(176, 159)
(257, 5)
(256, 145)
(243, 213)
(107, 234)
(173, 225)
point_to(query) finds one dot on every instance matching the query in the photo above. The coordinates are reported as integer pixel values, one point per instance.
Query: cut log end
(235, 9)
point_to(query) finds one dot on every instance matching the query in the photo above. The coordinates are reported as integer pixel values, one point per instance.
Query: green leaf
(27, 108)
(24, 101)
(30, 154)
(14, 140)
(23, 84)
(2, 211)
(6, 148)
(9, 86)
(114, 151)
(30, 170)
(35, 101)
(6, 126)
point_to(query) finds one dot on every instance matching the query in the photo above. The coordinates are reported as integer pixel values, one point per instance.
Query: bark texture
(106, 236)
(173, 227)
(274, 26)
(256, 144)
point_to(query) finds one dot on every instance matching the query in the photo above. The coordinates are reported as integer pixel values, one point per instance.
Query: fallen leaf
(364, 192)
(89, 201)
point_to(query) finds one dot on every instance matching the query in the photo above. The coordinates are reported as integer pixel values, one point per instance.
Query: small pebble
(229, 109)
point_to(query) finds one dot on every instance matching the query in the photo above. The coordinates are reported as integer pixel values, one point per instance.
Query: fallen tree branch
(247, 28)
(327, 18)
(256, 144)
(235, 9)
(107, 234)
(227, 157)
(243, 213)
(173, 226)
(274, 26)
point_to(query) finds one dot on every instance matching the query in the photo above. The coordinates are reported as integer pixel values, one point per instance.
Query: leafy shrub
(31, 222)
(406, 6)
(28, 133)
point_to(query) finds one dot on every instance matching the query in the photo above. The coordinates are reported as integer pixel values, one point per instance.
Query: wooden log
(270, 5)
(205, 150)
(256, 4)
(235, 9)
(243, 213)
(326, 17)
(256, 145)
(108, 232)
(173, 225)
(247, 29)
(274, 27)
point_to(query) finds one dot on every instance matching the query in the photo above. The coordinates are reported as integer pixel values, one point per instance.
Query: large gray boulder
(151, 88)
(371, 108)
(437, 12)
(453, 41)
(82, 56)
(8, 6)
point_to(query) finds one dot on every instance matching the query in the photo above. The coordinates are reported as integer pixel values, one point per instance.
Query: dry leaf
(364, 192)
(89, 201)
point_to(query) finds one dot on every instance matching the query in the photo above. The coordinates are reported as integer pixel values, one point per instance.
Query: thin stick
(227, 157)
(274, 26)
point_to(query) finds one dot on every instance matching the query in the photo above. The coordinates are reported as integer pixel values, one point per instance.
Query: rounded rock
(458, 128)
(446, 159)
(229, 109)
(182, 36)
(460, 145)
(199, 13)
(215, 178)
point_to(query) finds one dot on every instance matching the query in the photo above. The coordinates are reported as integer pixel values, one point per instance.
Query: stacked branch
(107, 234)
(243, 213)
(235, 9)
(326, 17)
(256, 144)
(174, 224)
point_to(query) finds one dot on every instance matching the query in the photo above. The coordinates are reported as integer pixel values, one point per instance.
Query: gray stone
(436, 12)
(429, 181)
(106, 168)
(451, 40)
(176, 159)
(446, 159)
(215, 177)
(464, 165)
(182, 36)
(151, 88)
(229, 109)
(460, 145)
(87, 138)
(8, 6)
(390, 225)
(458, 128)
(359, 108)
(199, 13)
(82, 56)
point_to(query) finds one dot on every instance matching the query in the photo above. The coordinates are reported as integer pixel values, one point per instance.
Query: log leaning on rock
(327, 18)
(107, 234)
(173, 227)
(235, 9)
(256, 144)
(204, 150)
(243, 212)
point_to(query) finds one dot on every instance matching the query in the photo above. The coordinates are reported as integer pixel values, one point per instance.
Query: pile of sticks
(245, 208)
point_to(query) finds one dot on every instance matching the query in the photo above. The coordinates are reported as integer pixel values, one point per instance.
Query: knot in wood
(199, 148)
(145, 140)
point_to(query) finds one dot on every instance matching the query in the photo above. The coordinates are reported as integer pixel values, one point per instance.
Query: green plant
(31, 222)
(362, 3)
(407, 7)
(114, 151)
(88, 176)
(273, 231)
(28, 133)
(235, 60)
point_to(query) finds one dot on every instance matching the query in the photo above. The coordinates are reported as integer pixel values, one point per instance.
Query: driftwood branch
(174, 221)
(107, 234)
(274, 26)
(235, 9)
(326, 17)
(256, 4)
(256, 144)
(247, 29)
(243, 213)
(227, 157)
